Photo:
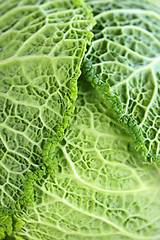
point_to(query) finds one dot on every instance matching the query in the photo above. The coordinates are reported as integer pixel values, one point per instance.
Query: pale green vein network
(79, 205)
(125, 53)
(143, 12)
(87, 184)
(42, 44)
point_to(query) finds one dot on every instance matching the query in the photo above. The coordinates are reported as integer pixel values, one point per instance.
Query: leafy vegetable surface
(42, 44)
(125, 54)
(101, 189)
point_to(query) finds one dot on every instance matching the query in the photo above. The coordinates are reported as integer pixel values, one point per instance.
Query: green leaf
(101, 189)
(125, 53)
(42, 44)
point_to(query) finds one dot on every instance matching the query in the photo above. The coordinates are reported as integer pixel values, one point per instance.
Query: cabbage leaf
(125, 53)
(42, 44)
(101, 189)
(71, 170)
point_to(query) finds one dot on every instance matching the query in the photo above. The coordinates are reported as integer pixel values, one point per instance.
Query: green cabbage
(42, 44)
(101, 190)
(125, 53)
(69, 169)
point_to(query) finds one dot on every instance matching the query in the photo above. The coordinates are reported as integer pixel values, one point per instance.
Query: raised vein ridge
(125, 55)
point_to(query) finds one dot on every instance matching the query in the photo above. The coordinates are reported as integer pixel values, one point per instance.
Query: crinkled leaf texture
(101, 190)
(42, 44)
(125, 54)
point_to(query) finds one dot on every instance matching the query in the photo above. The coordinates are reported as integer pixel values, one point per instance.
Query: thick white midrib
(8, 170)
(14, 10)
(113, 192)
(94, 216)
(17, 153)
(27, 104)
(36, 7)
(55, 1)
(139, 11)
(28, 40)
(55, 13)
(97, 150)
(41, 29)
(120, 46)
(18, 102)
(112, 135)
(128, 138)
(10, 197)
(136, 28)
(65, 34)
(13, 58)
(93, 186)
(128, 168)
(23, 171)
(20, 133)
(113, 62)
(98, 1)
(148, 66)
(47, 224)
(72, 232)
(47, 24)
(4, 142)
(107, 162)
(41, 117)
(30, 105)
(52, 110)
(14, 186)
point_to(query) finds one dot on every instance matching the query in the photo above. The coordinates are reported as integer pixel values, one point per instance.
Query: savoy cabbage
(101, 190)
(125, 53)
(70, 170)
(42, 44)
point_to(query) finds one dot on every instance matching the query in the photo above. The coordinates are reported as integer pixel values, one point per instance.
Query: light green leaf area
(42, 44)
(101, 190)
(125, 53)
